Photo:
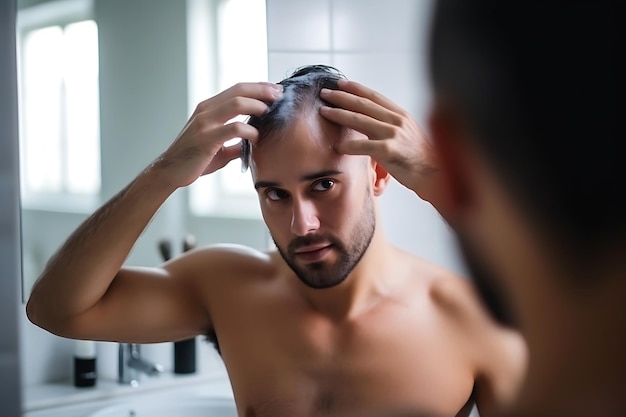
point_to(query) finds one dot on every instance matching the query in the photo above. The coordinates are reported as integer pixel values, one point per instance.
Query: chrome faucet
(132, 365)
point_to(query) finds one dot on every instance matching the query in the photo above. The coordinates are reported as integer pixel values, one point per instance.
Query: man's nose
(304, 217)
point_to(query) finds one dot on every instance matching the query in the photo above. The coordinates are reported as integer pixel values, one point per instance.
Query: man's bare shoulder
(225, 263)
(449, 292)
(457, 297)
(498, 353)
(444, 286)
(456, 301)
(219, 266)
(459, 302)
(230, 252)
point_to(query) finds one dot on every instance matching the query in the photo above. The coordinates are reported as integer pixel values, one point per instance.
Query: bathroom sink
(177, 407)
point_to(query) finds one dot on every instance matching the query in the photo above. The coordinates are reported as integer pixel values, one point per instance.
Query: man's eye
(276, 194)
(323, 185)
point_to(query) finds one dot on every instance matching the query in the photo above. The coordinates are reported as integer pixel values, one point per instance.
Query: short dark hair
(301, 91)
(536, 82)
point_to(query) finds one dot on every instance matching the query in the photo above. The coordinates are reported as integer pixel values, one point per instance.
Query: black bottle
(84, 363)
(185, 356)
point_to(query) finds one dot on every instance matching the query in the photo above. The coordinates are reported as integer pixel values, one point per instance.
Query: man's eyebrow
(265, 184)
(307, 177)
(316, 175)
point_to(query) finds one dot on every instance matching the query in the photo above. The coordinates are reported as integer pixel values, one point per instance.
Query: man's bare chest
(310, 366)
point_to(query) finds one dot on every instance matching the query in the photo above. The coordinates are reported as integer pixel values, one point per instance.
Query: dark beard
(490, 291)
(320, 275)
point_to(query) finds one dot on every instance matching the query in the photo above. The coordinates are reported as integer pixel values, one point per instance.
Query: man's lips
(313, 253)
(312, 248)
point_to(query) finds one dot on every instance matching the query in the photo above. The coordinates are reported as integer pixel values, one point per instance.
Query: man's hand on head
(200, 147)
(391, 135)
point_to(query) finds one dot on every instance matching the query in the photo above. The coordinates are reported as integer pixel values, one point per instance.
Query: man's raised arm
(84, 292)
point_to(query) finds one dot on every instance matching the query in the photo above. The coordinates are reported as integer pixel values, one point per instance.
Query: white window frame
(54, 13)
(211, 195)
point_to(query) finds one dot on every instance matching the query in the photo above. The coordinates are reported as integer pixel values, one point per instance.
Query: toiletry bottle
(185, 356)
(84, 363)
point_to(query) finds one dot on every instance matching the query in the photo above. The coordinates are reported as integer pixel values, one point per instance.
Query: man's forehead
(308, 133)
(271, 162)
(306, 146)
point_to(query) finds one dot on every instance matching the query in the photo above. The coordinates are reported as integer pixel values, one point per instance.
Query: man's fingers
(369, 126)
(261, 91)
(360, 90)
(223, 157)
(359, 104)
(362, 146)
(235, 130)
(228, 153)
(235, 106)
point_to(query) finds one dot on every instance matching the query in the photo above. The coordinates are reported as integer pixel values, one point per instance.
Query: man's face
(317, 204)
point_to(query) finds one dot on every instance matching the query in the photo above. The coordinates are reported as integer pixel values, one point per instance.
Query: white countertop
(63, 399)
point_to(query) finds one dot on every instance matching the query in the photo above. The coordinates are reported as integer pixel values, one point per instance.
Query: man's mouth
(313, 253)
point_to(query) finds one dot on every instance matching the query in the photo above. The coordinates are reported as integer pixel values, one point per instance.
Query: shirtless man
(336, 319)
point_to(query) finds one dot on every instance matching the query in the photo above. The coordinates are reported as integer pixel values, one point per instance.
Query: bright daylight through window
(59, 122)
(241, 52)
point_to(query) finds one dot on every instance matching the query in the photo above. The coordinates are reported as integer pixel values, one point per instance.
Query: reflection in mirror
(59, 108)
(156, 61)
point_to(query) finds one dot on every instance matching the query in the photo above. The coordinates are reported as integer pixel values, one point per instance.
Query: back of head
(536, 84)
(301, 93)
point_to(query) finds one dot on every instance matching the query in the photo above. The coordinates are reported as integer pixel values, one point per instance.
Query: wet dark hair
(300, 92)
(537, 85)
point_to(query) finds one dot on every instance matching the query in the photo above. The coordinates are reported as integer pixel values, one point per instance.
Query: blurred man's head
(318, 204)
(534, 108)
(526, 124)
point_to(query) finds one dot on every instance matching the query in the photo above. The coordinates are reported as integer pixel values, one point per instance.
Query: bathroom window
(239, 54)
(59, 113)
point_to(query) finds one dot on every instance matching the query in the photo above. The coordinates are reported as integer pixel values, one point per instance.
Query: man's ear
(381, 178)
(455, 193)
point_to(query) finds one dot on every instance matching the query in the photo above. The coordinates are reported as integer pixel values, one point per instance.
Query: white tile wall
(298, 25)
(382, 45)
(282, 64)
(396, 75)
(377, 26)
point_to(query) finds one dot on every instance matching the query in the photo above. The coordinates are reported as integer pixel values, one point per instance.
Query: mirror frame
(10, 243)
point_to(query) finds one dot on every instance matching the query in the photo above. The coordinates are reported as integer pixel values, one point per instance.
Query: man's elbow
(35, 315)
(41, 316)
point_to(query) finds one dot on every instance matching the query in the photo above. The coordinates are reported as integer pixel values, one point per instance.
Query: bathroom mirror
(156, 60)
(105, 87)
